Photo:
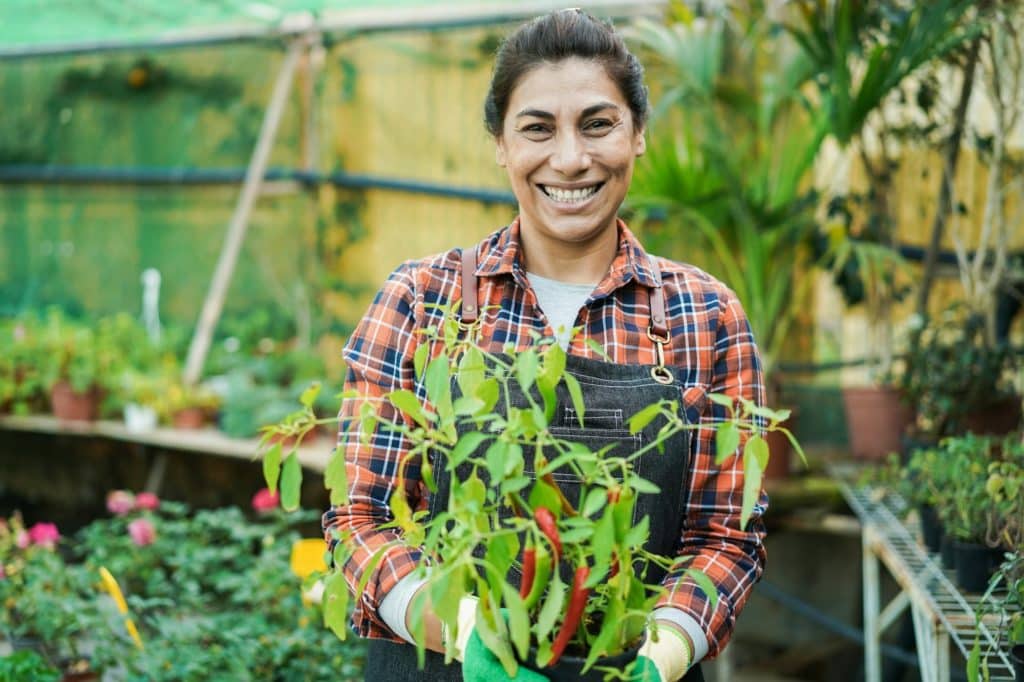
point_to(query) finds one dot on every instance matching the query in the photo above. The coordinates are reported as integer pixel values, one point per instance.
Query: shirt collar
(500, 256)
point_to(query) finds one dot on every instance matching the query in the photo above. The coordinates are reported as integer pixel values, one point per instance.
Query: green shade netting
(33, 27)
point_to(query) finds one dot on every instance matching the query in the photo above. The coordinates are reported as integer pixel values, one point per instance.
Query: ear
(640, 143)
(499, 153)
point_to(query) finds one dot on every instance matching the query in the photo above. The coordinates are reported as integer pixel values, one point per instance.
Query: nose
(570, 156)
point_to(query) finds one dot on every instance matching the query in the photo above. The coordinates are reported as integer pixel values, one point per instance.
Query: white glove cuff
(670, 654)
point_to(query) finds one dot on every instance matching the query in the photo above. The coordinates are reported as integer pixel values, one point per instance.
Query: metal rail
(942, 614)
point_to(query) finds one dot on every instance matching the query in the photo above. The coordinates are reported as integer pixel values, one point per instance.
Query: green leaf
(436, 381)
(527, 366)
(406, 401)
(639, 421)
(492, 630)
(642, 485)
(552, 608)
(757, 446)
(335, 604)
(419, 359)
(272, 466)
(471, 371)
(577, 397)
(594, 502)
(495, 458)
(638, 533)
(727, 439)
(518, 620)
(721, 399)
(974, 662)
(466, 446)
(309, 396)
(554, 363)
(598, 350)
(753, 456)
(514, 484)
(488, 392)
(291, 482)
(336, 478)
(706, 586)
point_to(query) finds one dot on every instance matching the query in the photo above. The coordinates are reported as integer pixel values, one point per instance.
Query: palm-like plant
(861, 53)
(732, 143)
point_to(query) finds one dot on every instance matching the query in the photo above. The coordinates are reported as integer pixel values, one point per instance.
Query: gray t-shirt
(561, 303)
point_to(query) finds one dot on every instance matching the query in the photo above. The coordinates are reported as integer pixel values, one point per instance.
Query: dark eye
(597, 125)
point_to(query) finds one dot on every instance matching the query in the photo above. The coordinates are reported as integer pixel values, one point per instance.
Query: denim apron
(612, 393)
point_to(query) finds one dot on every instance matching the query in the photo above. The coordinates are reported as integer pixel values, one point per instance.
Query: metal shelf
(942, 614)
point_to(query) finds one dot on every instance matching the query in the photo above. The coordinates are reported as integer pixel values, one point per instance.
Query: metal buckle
(662, 374)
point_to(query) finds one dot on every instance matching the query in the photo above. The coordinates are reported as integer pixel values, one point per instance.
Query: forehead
(565, 87)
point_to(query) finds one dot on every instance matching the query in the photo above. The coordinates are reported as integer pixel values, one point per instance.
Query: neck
(571, 262)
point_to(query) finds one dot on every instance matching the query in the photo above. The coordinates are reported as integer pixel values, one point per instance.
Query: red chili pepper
(546, 522)
(529, 570)
(573, 614)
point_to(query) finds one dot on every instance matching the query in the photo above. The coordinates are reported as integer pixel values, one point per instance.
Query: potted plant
(1004, 599)
(971, 513)
(958, 380)
(187, 406)
(80, 366)
(554, 515)
(22, 359)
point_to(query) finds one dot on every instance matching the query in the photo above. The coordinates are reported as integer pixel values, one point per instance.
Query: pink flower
(22, 540)
(147, 501)
(264, 500)
(120, 502)
(142, 531)
(44, 535)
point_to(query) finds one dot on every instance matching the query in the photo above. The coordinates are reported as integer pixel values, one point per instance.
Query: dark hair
(552, 38)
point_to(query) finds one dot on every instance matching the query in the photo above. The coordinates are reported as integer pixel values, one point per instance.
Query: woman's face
(568, 143)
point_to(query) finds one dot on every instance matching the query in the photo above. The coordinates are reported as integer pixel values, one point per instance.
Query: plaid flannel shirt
(710, 340)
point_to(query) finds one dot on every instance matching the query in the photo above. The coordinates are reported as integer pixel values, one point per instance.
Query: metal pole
(872, 640)
(214, 302)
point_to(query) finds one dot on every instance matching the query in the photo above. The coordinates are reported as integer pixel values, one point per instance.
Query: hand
(666, 660)
(644, 670)
(480, 665)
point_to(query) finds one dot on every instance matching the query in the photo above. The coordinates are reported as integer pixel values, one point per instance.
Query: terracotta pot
(875, 421)
(70, 405)
(189, 418)
(997, 420)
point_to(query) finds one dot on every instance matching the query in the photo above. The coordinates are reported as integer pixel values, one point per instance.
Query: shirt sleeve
(379, 359)
(731, 556)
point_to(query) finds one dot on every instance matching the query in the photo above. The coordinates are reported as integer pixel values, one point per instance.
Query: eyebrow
(589, 111)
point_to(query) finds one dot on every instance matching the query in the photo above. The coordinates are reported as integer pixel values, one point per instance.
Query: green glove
(644, 670)
(480, 665)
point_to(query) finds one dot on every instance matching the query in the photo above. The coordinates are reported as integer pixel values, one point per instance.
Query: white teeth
(570, 196)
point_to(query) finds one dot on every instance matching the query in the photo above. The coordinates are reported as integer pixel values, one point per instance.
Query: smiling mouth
(571, 196)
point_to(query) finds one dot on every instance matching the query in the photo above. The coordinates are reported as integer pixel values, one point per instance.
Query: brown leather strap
(659, 320)
(470, 306)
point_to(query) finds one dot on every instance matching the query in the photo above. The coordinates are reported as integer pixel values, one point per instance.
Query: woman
(567, 107)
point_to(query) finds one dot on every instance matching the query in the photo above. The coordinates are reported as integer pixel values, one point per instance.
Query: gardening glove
(666, 660)
(480, 665)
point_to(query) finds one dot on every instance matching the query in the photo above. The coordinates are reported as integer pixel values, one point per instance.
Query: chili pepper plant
(581, 563)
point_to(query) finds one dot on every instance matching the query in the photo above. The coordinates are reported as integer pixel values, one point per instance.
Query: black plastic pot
(569, 668)
(1017, 661)
(975, 565)
(931, 528)
(946, 552)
